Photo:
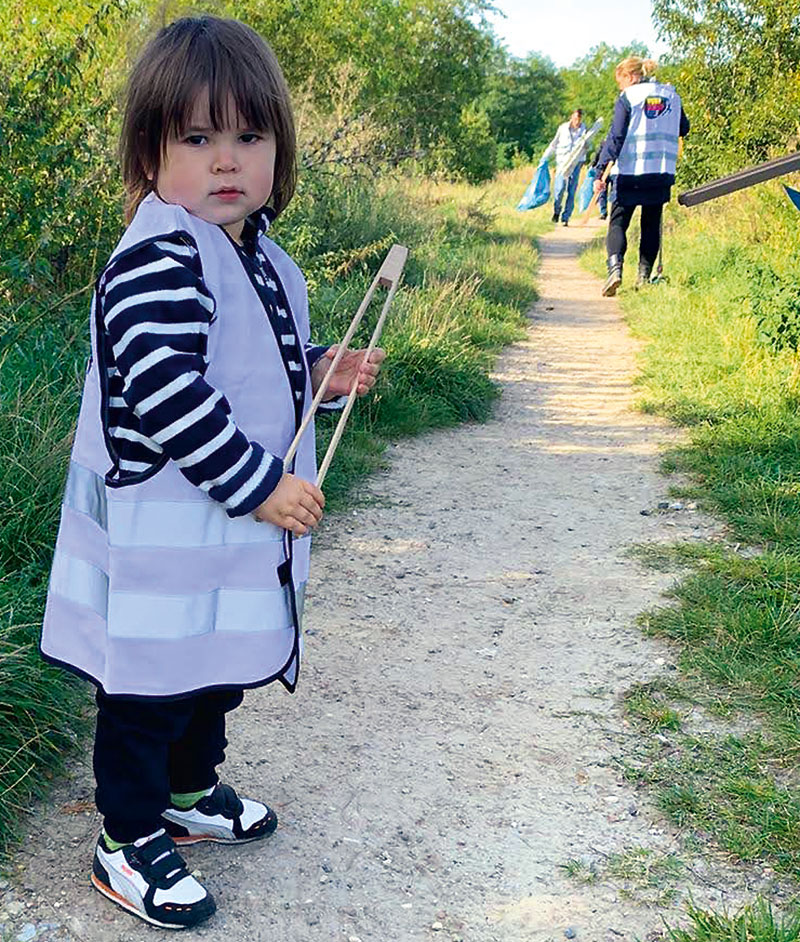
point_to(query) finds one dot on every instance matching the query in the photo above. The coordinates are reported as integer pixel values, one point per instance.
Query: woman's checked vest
(154, 589)
(651, 144)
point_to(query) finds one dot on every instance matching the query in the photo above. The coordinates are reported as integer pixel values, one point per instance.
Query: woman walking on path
(643, 141)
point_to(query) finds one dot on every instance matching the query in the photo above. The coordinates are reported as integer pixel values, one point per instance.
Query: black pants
(144, 749)
(650, 242)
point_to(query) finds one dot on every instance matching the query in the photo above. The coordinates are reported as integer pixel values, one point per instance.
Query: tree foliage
(524, 101)
(589, 81)
(738, 72)
(57, 167)
(419, 62)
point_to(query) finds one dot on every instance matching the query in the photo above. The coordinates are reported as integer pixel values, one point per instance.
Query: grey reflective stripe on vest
(651, 156)
(160, 523)
(85, 492)
(171, 617)
(669, 138)
(80, 582)
(183, 524)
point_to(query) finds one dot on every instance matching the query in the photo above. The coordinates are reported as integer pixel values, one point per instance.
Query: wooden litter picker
(389, 276)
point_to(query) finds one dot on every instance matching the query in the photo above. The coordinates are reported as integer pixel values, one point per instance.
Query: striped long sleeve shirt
(154, 313)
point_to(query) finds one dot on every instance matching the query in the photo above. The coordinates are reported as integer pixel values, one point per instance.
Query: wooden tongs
(389, 276)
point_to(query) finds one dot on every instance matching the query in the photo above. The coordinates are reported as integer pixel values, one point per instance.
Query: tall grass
(468, 283)
(721, 360)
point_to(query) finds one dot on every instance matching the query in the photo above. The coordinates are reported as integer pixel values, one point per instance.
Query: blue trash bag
(587, 190)
(538, 193)
(794, 196)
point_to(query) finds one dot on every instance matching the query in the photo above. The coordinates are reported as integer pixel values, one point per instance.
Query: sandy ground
(470, 632)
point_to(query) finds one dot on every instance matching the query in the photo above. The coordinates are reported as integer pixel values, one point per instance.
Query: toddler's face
(220, 176)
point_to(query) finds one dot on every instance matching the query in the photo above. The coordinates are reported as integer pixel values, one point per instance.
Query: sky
(564, 30)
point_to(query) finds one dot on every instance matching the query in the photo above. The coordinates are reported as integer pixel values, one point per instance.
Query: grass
(580, 870)
(645, 875)
(720, 359)
(468, 283)
(754, 923)
(637, 873)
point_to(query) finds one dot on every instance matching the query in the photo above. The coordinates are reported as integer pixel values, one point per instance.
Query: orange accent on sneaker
(106, 889)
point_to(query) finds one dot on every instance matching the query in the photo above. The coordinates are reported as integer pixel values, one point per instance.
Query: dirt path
(470, 634)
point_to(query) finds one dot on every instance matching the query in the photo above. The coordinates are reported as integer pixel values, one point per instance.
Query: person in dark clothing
(643, 142)
(602, 199)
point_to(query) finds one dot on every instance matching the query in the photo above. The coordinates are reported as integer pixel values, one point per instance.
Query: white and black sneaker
(149, 878)
(221, 816)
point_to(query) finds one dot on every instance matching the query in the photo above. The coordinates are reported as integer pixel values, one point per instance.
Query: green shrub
(775, 302)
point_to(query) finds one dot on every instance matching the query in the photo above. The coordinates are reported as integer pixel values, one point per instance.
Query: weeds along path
(452, 743)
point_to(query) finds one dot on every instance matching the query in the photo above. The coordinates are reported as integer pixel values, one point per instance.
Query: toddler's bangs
(199, 61)
(223, 82)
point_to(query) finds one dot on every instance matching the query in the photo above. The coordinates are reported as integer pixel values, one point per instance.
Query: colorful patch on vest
(655, 106)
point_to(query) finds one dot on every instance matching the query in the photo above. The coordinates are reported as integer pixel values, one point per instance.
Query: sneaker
(564, 222)
(555, 217)
(149, 879)
(223, 817)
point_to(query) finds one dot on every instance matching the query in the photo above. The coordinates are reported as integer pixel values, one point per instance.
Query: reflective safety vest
(154, 589)
(651, 143)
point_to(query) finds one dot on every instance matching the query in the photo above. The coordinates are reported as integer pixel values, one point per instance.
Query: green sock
(112, 844)
(184, 800)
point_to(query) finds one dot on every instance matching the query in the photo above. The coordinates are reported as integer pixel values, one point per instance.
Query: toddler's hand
(351, 365)
(294, 505)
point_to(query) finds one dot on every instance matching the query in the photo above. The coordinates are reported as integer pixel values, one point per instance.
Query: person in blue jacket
(643, 142)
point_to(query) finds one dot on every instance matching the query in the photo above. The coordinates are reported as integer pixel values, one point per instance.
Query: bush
(471, 154)
(775, 302)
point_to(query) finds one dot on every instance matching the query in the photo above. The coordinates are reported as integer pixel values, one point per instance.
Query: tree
(590, 83)
(738, 76)
(524, 99)
(419, 62)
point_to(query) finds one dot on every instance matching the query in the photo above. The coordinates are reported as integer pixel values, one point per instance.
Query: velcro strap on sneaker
(223, 800)
(163, 866)
(152, 850)
(168, 871)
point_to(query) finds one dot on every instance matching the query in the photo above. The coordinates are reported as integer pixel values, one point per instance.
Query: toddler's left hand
(351, 365)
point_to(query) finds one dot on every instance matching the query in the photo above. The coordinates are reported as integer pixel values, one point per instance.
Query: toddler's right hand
(295, 505)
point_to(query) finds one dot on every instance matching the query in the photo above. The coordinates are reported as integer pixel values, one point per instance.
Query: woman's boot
(614, 279)
(643, 274)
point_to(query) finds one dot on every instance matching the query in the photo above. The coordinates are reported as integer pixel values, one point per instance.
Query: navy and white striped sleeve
(156, 313)
(314, 353)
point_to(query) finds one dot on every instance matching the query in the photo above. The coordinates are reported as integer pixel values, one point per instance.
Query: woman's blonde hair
(636, 66)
